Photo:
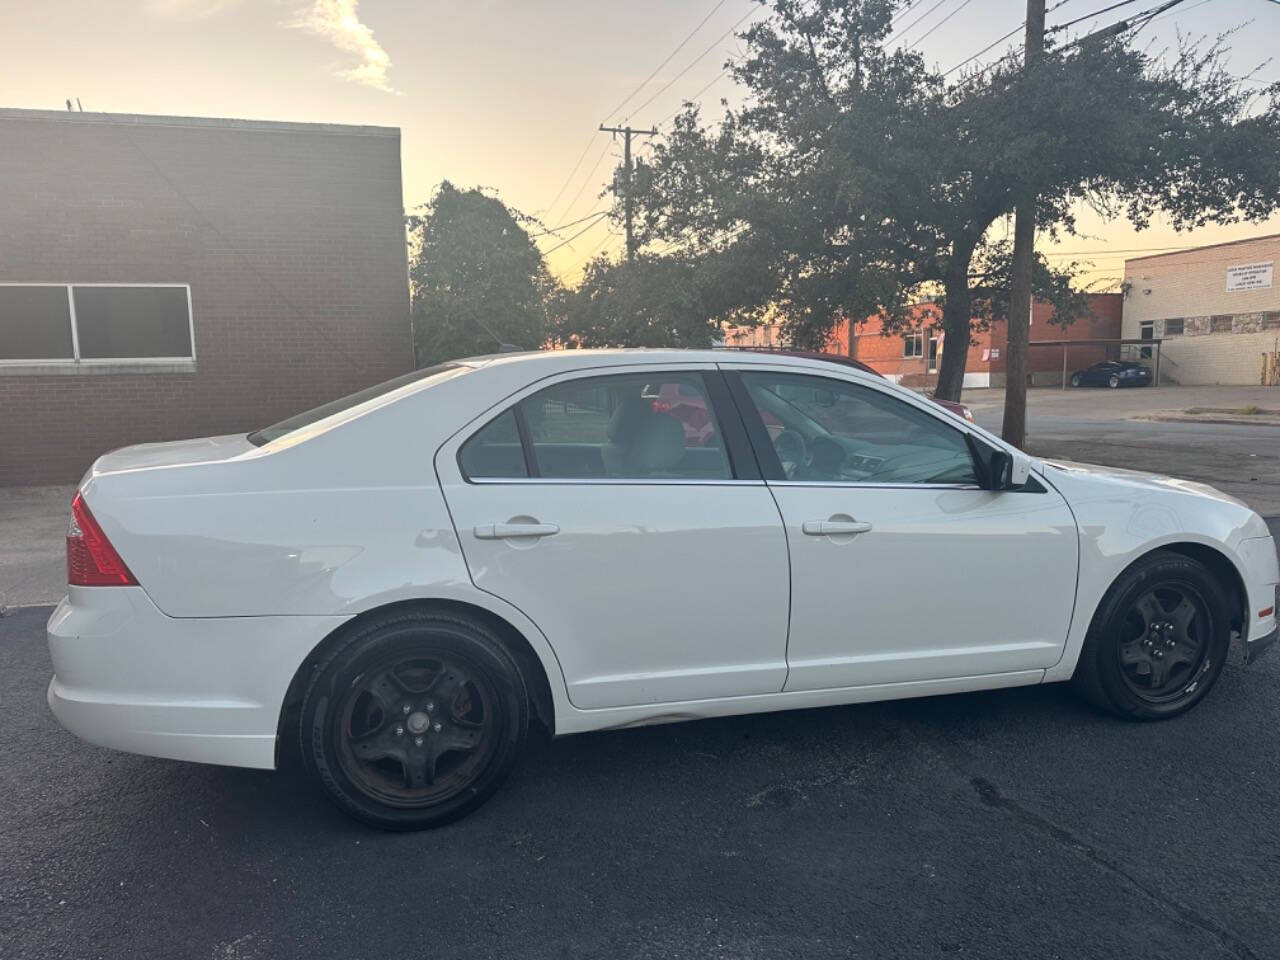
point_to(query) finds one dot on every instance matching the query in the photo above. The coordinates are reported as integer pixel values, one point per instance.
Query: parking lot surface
(1009, 824)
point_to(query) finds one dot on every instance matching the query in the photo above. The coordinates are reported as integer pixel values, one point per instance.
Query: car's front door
(636, 533)
(902, 568)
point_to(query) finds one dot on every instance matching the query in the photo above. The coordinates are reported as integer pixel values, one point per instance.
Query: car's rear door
(903, 569)
(648, 550)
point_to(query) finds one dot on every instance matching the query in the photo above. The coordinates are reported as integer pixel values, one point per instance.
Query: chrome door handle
(508, 531)
(833, 528)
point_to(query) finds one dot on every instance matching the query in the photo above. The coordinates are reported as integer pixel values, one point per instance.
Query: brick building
(167, 277)
(913, 359)
(1217, 309)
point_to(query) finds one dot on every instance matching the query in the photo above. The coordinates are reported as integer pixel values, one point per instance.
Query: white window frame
(917, 338)
(75, 360)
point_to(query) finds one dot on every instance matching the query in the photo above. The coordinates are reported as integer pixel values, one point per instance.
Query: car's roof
(572, 359)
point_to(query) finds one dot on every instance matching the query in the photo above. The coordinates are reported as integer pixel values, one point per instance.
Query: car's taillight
(91, 560)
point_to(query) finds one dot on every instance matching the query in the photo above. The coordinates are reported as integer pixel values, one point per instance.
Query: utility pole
(1014, 429)
(627, 134)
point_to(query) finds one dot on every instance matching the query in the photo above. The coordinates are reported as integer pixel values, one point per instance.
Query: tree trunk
(1014, 429)
(956, 317)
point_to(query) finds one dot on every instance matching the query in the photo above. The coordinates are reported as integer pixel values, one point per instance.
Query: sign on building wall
(1250, 276)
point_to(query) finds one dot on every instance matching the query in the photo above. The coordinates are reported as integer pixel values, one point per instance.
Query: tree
(855, 178)
(651, 301)
(476, 277)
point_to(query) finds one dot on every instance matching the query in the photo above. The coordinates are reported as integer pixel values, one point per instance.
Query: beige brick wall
(1191, 286)
(1225, 358)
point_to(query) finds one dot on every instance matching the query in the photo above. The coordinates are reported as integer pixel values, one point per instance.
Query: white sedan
(399, 583)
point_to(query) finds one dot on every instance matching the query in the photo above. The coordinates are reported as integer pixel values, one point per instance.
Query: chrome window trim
(617, 481)
(872, 486)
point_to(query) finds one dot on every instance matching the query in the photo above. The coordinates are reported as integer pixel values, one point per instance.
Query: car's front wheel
(1075, 379)
(415, 720)
(1113, 382)
(1158, 641)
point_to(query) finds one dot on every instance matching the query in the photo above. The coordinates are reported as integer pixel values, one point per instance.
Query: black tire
(1113, 381)
(1075, 379)
(1142, 633)
(414, 720)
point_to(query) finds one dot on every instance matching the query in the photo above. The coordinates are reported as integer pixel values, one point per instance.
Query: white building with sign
(1216, 308)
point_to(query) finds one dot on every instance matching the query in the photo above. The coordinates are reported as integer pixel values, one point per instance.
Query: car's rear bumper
(209, 689)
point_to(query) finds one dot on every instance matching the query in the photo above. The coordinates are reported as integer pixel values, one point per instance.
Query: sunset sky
(502, 93)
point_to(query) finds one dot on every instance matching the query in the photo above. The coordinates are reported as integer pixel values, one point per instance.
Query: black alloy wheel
(1158, 641)
(413, 731)
(415, 719)
(1167, 653)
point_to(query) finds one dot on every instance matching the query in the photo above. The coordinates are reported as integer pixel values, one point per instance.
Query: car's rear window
(343, 404)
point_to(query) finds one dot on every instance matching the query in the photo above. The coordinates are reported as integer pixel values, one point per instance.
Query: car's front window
(833, 431)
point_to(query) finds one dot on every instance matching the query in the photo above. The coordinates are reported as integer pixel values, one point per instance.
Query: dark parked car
(1113, 373)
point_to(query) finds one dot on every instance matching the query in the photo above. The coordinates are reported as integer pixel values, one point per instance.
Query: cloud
(338, 21)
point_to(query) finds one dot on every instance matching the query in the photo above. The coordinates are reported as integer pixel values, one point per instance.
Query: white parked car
(400, 582)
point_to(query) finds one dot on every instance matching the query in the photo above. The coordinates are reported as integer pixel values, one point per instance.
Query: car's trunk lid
(174, 453)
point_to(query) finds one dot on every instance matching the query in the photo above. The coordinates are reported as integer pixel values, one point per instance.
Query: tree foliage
(476, 277)
(855, 177)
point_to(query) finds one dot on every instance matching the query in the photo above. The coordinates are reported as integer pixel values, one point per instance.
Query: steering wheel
(825, 459)
(791, 450)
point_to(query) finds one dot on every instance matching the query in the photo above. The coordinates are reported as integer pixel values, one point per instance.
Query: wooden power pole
(627, 134)
(1014, 429)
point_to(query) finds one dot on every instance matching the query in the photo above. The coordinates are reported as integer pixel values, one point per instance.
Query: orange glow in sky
(503, 94)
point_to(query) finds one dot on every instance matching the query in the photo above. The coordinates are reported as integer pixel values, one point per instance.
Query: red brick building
(167, 277)
(913, 359)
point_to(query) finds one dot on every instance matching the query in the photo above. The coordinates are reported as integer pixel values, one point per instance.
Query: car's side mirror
(1019, 470)
(1000, 469)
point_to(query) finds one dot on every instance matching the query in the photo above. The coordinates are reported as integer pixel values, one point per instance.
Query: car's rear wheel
(1158, 641)
(1075, 379)
(415, 720)
(1113, 382)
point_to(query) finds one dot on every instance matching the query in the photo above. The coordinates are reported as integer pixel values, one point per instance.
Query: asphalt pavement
(1008, 824)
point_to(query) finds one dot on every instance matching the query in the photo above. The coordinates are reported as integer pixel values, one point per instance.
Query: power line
(667, 86)
(1090, 16)
(679, 47)
(590, 140)
(897, 35)
(559, 193)
(590, 226)
(962, 63)
(903, 12)
(989, 46)
(922, 37)
(590, 173)
(719, 76)
(571, 223)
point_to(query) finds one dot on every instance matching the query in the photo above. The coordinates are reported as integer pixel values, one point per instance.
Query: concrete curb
(1248, 421)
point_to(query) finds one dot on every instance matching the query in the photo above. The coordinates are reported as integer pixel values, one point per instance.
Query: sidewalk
(33, 527)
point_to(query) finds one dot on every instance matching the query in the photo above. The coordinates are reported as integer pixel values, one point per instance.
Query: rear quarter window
(349, 404)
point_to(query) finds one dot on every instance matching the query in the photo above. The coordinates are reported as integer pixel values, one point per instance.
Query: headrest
(658, 444)
(627, 418)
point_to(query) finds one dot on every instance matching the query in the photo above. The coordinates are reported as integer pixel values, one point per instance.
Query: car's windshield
(343, 404)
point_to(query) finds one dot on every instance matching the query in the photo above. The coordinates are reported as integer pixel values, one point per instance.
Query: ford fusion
(400, 584)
